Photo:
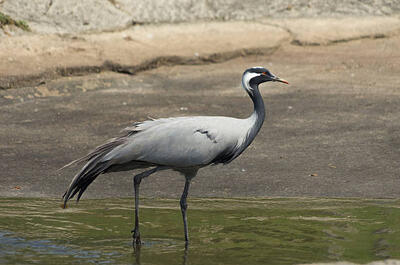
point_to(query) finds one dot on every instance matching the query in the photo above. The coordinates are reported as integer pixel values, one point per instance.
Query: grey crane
(183, 144)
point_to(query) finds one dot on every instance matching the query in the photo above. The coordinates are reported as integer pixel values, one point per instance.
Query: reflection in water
(224, 231)
(185, 254)
(12, 245)
(137, 250)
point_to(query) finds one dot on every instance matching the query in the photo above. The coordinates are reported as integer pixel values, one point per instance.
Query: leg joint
(137, 179)
(183, 203)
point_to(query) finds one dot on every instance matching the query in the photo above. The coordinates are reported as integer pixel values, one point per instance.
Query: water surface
(222, 231)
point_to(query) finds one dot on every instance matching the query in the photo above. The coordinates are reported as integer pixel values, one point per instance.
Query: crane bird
(183, 144)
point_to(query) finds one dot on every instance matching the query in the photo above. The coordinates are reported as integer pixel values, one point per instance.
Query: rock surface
(29, 59)
(333, 132)
(58, 16)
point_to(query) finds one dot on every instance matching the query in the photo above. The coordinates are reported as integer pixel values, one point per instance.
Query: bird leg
(183, 209)
(136, 234)
(136, 181)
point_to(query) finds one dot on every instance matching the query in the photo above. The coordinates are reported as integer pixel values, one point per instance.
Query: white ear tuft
(246, 80)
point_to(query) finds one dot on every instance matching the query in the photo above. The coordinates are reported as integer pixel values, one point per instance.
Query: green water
(222, 231)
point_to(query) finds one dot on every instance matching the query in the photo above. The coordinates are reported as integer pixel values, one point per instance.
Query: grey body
(184, 144)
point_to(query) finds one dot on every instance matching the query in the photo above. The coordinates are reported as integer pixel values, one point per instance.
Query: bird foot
(136, 237)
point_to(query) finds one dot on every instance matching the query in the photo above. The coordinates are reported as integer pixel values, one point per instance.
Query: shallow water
(222, 231)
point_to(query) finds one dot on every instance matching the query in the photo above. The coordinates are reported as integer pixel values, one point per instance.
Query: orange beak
(281, 80)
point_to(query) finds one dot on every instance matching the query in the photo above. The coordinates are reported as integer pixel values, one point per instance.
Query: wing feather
(173, 142)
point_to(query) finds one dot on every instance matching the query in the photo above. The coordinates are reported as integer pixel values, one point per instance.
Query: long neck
(254, 122)
(257, 117)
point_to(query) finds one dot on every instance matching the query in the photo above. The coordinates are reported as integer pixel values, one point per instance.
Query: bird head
(254, 76)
